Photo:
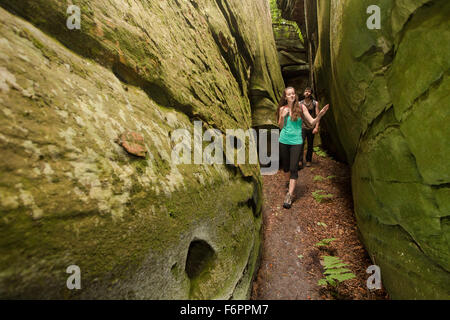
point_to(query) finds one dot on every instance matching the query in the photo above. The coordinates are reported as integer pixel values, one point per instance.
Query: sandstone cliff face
(292, 56)
(304, 12)
(390, 111)
(136, 227)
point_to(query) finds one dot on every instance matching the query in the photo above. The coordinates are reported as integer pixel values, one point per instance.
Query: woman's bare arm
(281, 119)
(317, 112)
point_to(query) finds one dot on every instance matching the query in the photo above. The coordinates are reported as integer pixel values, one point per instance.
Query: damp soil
(291, 262)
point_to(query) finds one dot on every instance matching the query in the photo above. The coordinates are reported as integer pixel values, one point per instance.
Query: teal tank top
(292, 131)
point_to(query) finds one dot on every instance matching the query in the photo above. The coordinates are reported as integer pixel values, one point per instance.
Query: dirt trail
(290, 265)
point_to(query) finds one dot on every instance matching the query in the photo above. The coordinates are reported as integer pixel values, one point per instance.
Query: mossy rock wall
(388, 89)
(291, 55)
(70, 195)
(291, 51)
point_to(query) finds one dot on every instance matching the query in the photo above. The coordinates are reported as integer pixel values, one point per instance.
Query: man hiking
(308, 130)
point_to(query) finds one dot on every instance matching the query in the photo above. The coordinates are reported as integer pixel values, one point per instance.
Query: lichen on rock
(69, 194)
(389, 94)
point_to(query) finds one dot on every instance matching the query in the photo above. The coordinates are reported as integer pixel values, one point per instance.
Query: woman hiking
(289, 115)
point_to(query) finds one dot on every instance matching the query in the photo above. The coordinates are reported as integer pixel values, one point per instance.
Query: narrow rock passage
(290, 265)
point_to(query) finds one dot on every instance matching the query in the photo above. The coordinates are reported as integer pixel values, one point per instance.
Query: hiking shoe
(308, 164)
(287, 201)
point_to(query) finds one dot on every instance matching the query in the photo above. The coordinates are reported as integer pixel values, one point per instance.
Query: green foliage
(277, 19)
(320, 152)
(319, 195)
(323, 224)
(325, 242)
(320, 178)
(334, 272)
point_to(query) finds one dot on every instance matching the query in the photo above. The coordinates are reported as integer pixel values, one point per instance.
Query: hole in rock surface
(200, 256)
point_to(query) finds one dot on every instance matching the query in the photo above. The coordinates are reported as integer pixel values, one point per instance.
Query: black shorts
(289, 158)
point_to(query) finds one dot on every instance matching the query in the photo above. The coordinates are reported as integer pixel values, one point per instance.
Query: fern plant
(322, 224)
(334, 272)
(319, 195)
(320, 178)
(320, 152)
(325, 242)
